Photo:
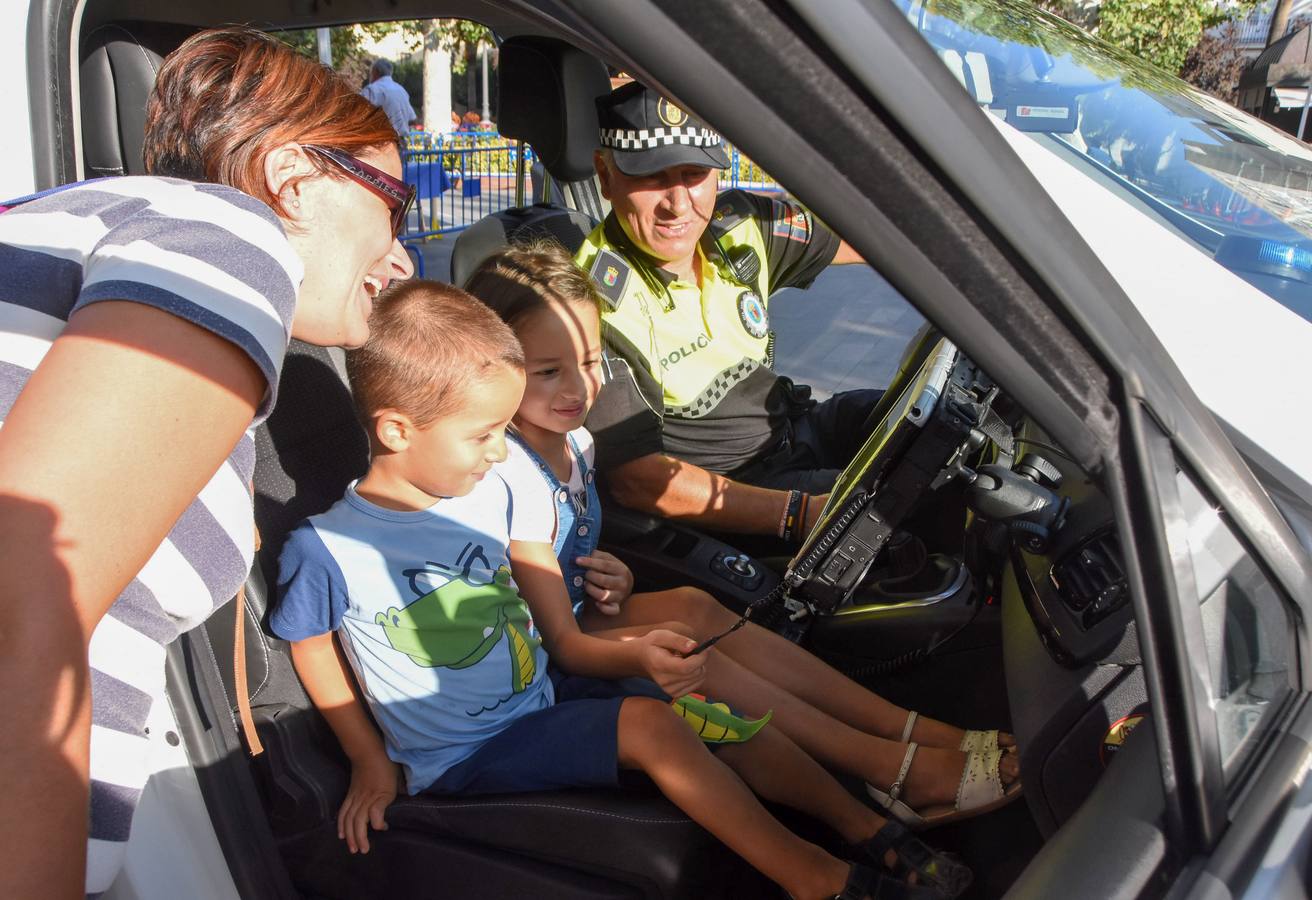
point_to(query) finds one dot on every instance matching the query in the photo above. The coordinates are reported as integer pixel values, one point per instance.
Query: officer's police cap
(647, 133)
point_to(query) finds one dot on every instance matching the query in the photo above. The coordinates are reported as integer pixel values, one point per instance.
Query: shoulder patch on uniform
(611, 275)
(731, 207)
(794, 225)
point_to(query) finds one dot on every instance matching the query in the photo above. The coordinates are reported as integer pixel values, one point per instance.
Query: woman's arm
(129, 414)
(658, 655)
(323, 672)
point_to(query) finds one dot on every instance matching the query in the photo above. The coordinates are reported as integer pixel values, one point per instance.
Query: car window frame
(1207, 804)
(1110, 337)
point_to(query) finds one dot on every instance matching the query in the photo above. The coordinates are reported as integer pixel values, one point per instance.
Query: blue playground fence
(465, 176)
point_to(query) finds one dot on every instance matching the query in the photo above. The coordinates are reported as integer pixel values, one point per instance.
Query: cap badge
(751, 311)
(669, 113)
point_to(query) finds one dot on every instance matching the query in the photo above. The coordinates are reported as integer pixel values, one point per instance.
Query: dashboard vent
(1091, 579)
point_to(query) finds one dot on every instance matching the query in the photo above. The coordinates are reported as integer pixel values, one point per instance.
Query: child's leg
(932, 780)
(778, 770)
(780, 661)
(654, 739)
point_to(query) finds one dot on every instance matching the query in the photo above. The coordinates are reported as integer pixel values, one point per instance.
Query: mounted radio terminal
(924, 432)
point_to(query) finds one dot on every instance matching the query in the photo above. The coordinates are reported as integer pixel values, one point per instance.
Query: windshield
(1239, 189)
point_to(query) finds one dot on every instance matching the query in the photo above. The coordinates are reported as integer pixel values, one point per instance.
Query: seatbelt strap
(253, 744)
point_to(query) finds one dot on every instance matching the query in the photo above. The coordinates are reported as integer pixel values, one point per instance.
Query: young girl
(926, 771)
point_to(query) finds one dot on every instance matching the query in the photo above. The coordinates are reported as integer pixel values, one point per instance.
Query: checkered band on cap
(650, 138)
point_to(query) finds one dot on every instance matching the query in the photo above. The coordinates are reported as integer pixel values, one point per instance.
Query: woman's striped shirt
(215, 257)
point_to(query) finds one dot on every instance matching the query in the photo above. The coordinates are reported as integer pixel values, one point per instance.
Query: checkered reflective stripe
(708, 399)
(648, 138)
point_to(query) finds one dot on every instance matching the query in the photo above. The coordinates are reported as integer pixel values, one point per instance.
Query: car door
(845, 105)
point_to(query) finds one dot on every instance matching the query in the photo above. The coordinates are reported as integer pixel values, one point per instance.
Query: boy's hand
(609, 582)
(665, 662)
(374, 785)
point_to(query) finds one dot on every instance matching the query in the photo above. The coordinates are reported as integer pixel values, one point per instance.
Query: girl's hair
(227, 97)
(526, 276)
(429, 342)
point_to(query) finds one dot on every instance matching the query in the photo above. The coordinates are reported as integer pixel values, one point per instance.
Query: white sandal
(980, 791)
(973, 741)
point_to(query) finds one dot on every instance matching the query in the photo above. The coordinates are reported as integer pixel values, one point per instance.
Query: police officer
(694, 423)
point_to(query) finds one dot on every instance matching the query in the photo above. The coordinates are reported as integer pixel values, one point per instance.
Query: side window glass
(1246, 627)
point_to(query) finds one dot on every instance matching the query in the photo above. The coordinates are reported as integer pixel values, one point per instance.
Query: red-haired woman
(143, 322)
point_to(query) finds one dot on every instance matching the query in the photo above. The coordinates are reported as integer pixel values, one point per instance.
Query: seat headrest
(547, 92)
(308, 450)
(117, 73)
(475, 244)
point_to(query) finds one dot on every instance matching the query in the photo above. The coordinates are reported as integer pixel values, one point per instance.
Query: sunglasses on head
(398, 195)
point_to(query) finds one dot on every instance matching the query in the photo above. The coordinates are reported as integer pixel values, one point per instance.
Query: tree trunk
(437, 83)
(1279, 21)
(471, 82)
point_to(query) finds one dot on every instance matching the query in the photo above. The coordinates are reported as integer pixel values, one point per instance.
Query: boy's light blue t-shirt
(441, 643)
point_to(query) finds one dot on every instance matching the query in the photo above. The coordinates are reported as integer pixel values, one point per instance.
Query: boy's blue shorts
(571, 744)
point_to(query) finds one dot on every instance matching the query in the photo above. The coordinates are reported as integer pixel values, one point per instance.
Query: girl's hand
(665, 660)
(373, 787)
(608, 582)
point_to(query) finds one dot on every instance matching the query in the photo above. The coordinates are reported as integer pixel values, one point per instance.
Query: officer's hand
(609, 582)
(814, 507)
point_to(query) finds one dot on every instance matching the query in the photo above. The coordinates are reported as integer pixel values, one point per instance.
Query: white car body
(1238, 348)
(1241, 351)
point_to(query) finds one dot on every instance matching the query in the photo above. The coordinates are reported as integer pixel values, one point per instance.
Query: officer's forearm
(846, 255)
(665, 486)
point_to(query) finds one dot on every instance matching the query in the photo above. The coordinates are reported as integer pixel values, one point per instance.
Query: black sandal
(864, 883)
(947, 876)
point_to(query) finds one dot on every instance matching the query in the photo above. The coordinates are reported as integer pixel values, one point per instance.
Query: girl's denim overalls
(577, 530)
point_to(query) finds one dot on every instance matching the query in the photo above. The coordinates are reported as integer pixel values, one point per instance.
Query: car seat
(547, 90)
(595, 843)
(119, 62)
(581, 844)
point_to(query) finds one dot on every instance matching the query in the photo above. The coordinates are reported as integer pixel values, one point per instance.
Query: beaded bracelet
(790, 525)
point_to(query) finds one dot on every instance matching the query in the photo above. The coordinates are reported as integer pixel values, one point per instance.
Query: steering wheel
(923, 427)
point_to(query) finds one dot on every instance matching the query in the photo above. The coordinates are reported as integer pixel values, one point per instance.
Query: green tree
(346, 40)
(445, 43)
(1161, 31)
(448, 46)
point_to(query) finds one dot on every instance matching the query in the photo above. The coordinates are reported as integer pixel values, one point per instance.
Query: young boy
(411, 569)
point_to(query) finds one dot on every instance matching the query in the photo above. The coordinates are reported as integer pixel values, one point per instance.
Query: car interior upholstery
(630, 843)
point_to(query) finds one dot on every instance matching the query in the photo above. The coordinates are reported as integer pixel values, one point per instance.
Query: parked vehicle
(1116, 269)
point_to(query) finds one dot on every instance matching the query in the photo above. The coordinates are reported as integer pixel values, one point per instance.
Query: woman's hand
(665, 661)
(609, 582)
(374, 784)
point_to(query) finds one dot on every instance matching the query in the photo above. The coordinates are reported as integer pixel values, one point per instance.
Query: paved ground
(846, 331)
